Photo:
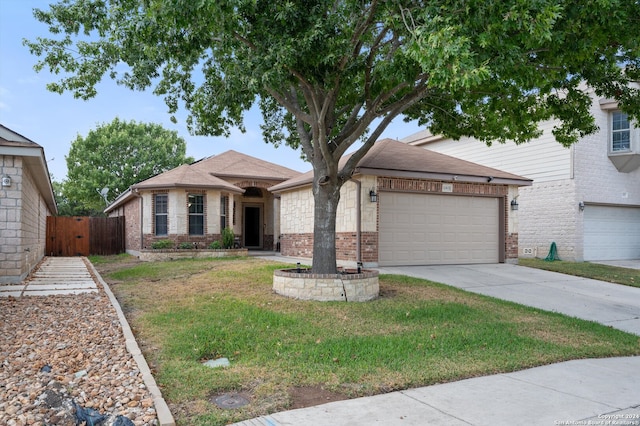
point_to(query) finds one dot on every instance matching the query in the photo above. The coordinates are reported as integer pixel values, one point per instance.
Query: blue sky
(54, 121)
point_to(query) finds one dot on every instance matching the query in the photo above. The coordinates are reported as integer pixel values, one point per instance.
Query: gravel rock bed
(57, 351)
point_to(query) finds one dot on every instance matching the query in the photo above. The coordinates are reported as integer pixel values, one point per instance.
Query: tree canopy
(115, 156)
(330, 75)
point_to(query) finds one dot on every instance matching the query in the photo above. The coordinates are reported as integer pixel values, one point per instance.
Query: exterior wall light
(6, 181)
(581, 205)
(514, 204)
(373, 196)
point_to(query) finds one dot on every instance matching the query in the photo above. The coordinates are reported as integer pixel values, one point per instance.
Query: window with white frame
(196, 214)
(160, 208)
(620, 132)
(224, 201)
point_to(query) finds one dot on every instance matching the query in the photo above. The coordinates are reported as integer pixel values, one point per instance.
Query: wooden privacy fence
(83, 236)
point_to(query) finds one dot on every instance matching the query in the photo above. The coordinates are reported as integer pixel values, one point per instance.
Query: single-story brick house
(26, 199)
(408, 206)
(195, 202)
(429, 208)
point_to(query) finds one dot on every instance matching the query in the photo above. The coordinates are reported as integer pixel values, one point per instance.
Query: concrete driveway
(612, 304)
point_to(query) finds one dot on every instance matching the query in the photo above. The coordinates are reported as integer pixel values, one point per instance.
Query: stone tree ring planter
(347, 285)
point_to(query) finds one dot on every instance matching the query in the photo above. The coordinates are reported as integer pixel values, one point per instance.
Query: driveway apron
(614, 305)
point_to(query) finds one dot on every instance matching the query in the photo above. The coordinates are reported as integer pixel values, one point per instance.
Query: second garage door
(419, 229)
(611, 233)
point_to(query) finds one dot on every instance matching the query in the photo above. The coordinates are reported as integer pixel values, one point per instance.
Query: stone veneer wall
(300, 244)
(178, 220)
(159, 255)
(201, 241)
(10, 217)
(327, 287)
(33, 226)
(23, 221)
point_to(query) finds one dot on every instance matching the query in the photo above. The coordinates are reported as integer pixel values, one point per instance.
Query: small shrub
(162, 244)
(215, 245)
(227, 238)
(185, 245)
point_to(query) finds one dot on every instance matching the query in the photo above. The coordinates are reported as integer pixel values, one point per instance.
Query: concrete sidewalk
(581, 392)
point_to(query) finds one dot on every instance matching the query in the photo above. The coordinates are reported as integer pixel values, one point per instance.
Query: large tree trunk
(326, 196)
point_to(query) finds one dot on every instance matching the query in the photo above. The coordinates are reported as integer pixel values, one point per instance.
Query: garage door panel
(611, 233)
(443, 229)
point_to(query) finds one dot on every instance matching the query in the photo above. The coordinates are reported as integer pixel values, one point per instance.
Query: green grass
(612, 274)
(417, 333)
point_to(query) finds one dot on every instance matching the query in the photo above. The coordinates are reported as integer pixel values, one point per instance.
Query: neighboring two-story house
(585, 198)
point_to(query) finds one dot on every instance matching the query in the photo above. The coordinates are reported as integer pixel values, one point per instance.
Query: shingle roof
(10, 138)
(389, 154)
(209, 173)
(186, 176)
(389, 157)
(235, 164)
(12, 143)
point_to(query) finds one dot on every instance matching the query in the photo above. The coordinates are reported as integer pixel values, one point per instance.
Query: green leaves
(323, 61)
(444, 51)
(331, 75)
(116, 156)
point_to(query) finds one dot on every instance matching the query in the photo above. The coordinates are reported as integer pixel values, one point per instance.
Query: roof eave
(134, 190)
(443, 176)
(187, 185)
(423, 140)
(281, 187)
(120, 200)
(35, 158)
(252, 177)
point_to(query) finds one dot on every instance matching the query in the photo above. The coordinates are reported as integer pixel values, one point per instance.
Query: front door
(252, 232)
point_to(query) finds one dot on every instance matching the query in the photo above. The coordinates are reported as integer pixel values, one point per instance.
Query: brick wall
(300, 244)
(297, 245)
(511, 248)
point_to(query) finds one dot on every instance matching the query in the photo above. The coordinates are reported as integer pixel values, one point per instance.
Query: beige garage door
(417, 229)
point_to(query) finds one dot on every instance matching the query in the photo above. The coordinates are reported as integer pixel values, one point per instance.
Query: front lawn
(596, 271)
(417, 333)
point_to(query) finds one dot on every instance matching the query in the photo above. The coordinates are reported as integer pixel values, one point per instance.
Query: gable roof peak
(236, 164)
